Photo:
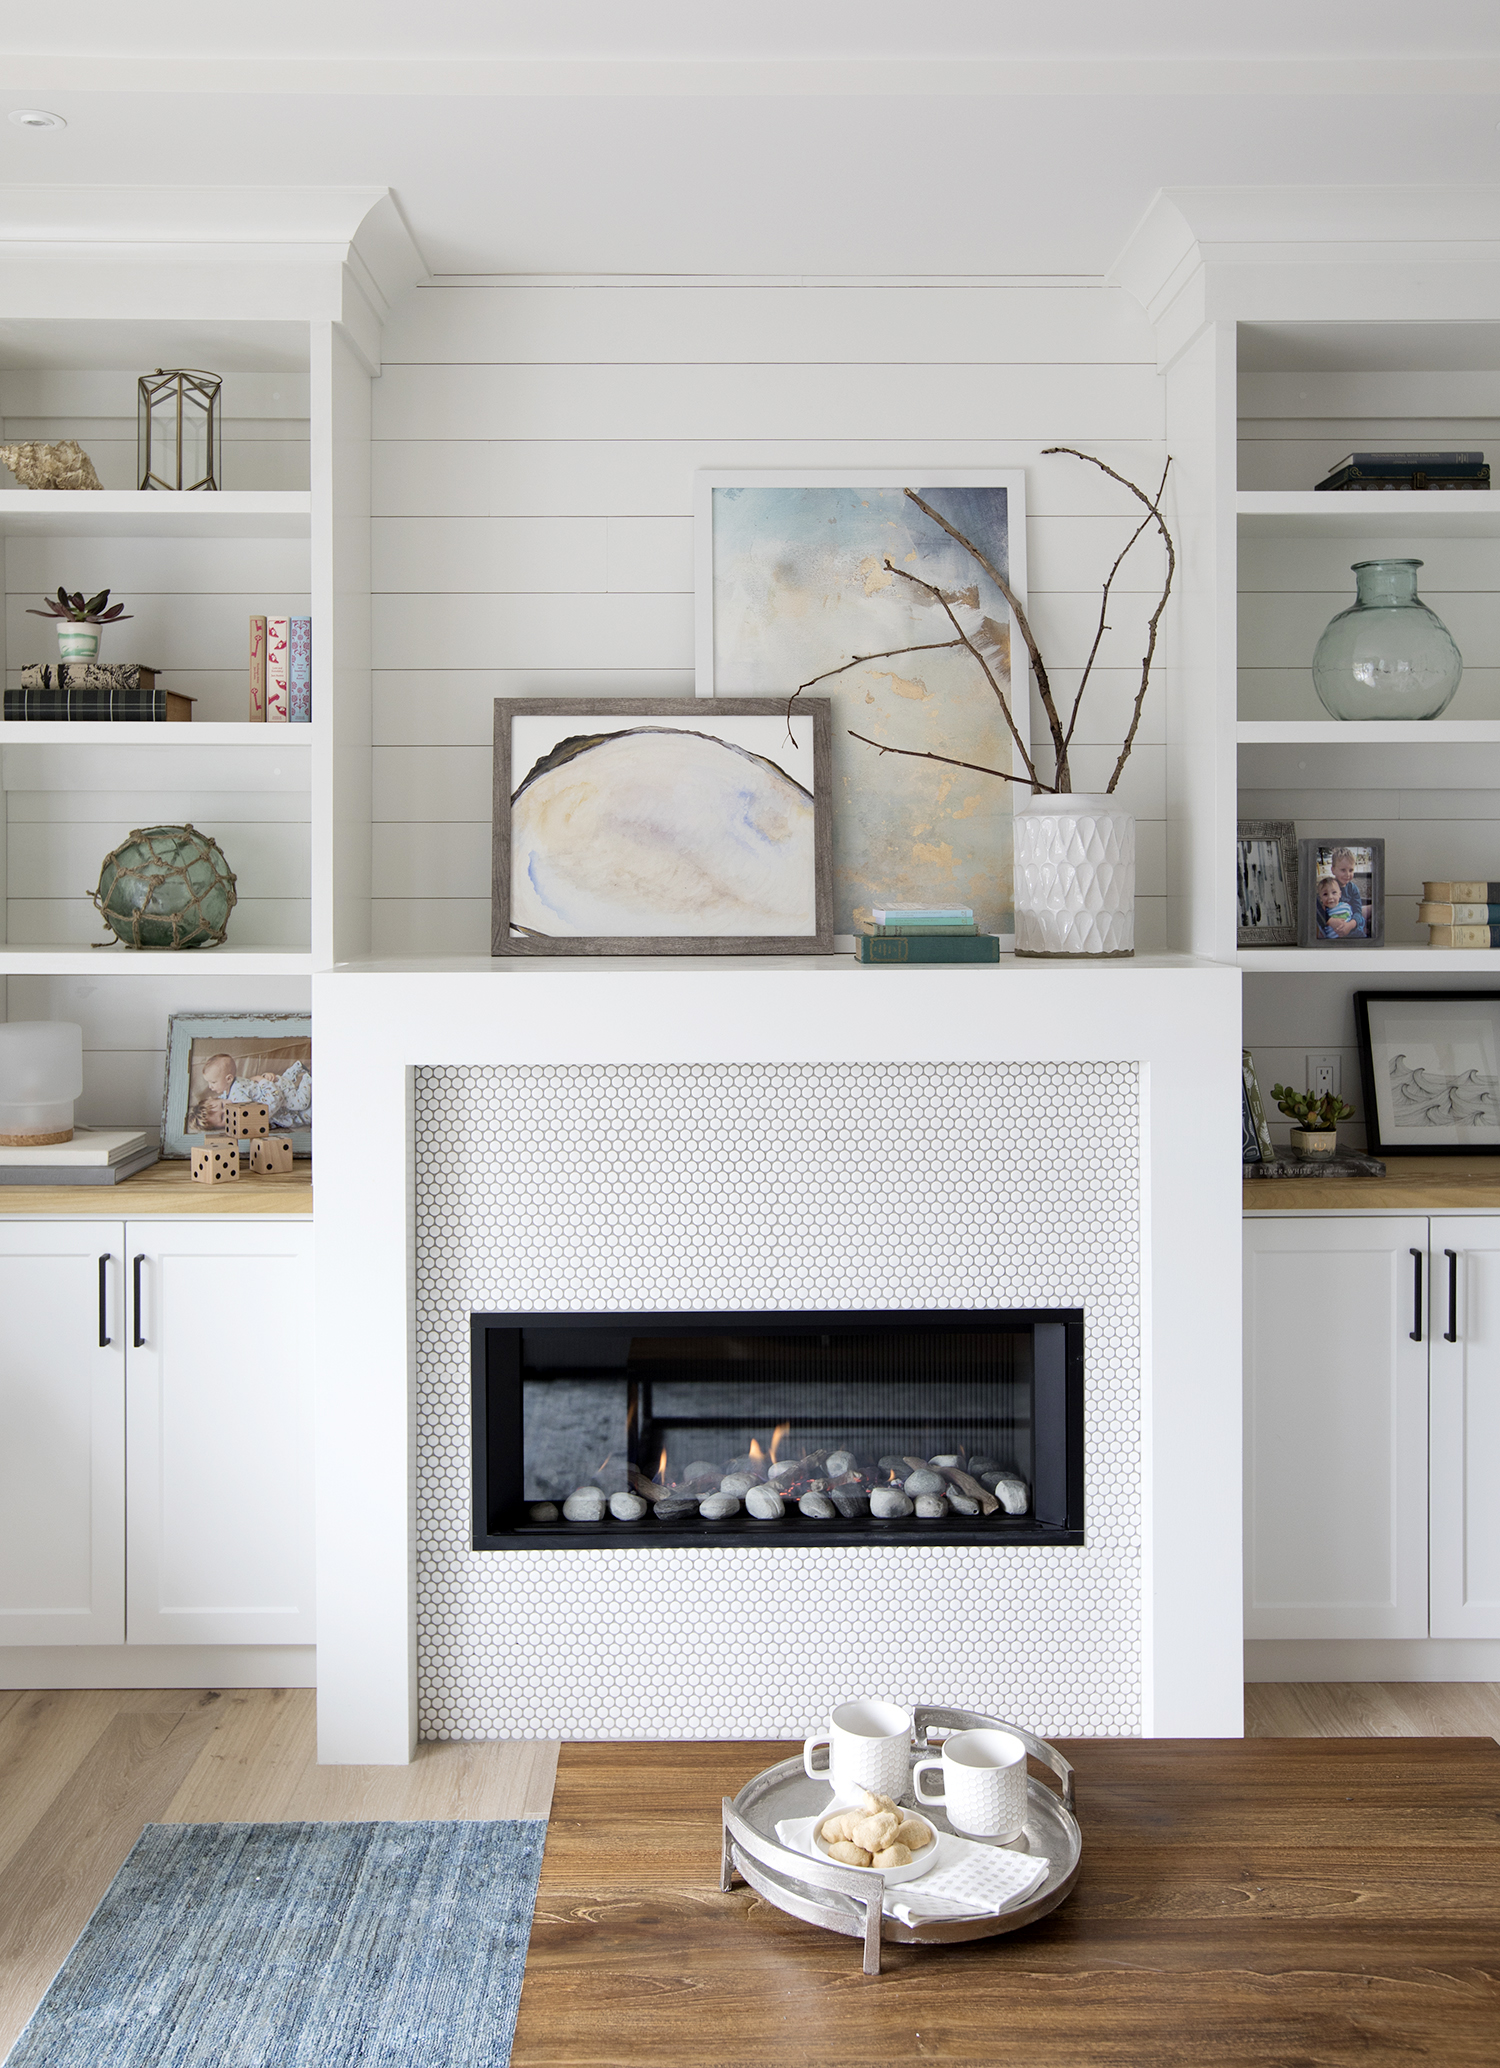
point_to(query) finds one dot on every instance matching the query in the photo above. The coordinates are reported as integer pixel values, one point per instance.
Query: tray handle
(864, 1887)
(971, 1720)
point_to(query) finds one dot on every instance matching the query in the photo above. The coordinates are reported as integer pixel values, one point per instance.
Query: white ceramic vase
(1074, 875)
(77, 642)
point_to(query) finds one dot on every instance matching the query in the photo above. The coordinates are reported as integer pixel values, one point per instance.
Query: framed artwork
(1266, 883)
(661, 826)
(814, 576)
(1341, 893)
(1430, 1066)
(1256, 1145)
(215, 1056)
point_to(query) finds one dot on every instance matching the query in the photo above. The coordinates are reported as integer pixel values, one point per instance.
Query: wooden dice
(215, 1163)
(270, 1158)
(244, 1117)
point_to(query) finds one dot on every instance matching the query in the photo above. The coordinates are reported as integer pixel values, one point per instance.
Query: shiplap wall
(534, 452)
(1294, 426)
(124, 1026)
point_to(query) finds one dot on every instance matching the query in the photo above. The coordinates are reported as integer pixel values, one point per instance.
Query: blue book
(914, 915)
(299, 670)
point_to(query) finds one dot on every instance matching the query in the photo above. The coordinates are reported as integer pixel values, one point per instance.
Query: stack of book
(1408, 470)
(281, 671)
(921, 933)
(119, 692)
(1461, 915)
(95, 1156)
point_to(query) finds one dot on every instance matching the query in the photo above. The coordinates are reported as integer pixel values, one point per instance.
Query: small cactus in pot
(80, 622)
(1317, 1119)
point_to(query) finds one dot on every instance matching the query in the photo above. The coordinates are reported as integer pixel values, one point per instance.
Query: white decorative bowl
(920, 1864)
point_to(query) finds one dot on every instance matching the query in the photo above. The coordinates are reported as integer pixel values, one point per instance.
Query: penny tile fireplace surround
(761, 1140)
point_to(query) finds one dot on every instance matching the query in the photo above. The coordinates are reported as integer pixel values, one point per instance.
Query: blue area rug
(299, 1946)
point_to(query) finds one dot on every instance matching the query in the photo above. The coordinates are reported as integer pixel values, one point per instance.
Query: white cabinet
(62, 1433)
(1336, 1427)
(1372, 1426)
(156, 1488)
(219, 1442)
(1465, 1425)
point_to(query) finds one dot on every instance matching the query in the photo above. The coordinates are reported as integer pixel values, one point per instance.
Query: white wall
(533, 465)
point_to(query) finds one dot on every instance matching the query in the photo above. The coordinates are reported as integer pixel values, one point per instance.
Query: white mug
(869, 1746)
(984, 1783)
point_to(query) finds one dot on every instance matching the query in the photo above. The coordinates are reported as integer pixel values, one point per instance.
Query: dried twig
(887, 653)
(989, 674)
(919, 754)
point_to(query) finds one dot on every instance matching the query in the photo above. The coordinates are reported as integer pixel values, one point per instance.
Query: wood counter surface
(1412, 1184)
(165, 1188)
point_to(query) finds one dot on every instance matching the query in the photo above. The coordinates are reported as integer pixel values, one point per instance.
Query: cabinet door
(62, 1434)
(219, 1434)
(1464, 1529)
(1335, 1428)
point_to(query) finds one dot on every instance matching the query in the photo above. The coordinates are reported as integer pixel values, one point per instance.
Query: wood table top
(1256, 1901)
(165, 1188)
(1412, 1184)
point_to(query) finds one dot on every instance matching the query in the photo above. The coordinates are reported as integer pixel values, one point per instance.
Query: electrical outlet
(1323, 1075)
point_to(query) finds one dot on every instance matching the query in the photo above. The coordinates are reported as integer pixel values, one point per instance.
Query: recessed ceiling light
(37, 118)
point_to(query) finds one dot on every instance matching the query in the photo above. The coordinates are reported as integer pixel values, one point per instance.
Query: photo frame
(662, 826)
(791, 586)
(1256, 1145)
(1341, 892)
(212, 1056)
(1429, 1066)
(1266, 871)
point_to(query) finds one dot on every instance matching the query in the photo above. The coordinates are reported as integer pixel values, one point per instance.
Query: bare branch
(1038, 665)
(886, 654)
(989, 675)
(919, 754)
(1102, 627)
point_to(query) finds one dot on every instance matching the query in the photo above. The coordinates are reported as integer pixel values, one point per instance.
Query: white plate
(921, 1863)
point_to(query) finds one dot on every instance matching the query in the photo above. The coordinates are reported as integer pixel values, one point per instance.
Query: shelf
(1367, 732)
(1433, 513)
(61, 733)
(1372, 961)
(166, 514)
(111, 960)
(167, 1188)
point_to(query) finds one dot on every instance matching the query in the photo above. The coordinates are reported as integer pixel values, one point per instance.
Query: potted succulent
(1316, 1131)
(79, 623)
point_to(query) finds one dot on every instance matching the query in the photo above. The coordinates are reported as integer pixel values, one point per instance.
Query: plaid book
(121, 691)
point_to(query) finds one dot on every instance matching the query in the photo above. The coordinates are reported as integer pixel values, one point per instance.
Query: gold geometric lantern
(177, 429)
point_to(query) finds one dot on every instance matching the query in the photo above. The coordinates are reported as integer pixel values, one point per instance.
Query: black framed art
(1429, 1063)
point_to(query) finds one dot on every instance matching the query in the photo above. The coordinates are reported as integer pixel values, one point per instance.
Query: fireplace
(961, 1427)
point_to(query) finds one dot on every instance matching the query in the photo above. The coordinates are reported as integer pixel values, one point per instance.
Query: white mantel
(1176, 1018)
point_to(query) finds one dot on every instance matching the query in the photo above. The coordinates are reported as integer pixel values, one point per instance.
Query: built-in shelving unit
(156, 514)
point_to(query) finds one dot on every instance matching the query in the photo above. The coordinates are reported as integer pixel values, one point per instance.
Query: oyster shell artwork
(656, 831)
(63, 465)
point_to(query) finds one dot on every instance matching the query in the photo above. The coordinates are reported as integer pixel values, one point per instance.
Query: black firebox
(916, 1426)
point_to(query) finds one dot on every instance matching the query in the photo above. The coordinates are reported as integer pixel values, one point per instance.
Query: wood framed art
(662, 826)
(1266, 883)
(1429, 1064)
(793, 586)
(214, 1056)
(1341, 892)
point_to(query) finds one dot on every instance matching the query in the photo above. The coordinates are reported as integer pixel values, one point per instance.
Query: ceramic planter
(77, 642)
(1074, 876)
(1325, 1142)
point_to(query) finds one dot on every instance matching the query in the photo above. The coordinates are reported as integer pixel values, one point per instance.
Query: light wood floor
(82, 1772)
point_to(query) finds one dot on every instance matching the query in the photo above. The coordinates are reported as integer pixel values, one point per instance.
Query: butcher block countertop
(165, 1188)
(1412, 1184)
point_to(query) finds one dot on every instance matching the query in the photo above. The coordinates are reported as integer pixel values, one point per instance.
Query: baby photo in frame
(1341, 892)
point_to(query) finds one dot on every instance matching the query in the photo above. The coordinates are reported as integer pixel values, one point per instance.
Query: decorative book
(983, 947)
(257, 670)
(299, 670)
(278, 663)
(117, 692)
(1461, 893)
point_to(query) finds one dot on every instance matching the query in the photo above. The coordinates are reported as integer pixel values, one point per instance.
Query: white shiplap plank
(553, 325)
(1283, 631)
(73, 922)
(47, 861)
(436, 783)
(130, 566)
(430, 926)
(122, 1087)
(627, 477)
(59, 805)
(1282, 566)
(750, 401)
(428, 860)
(134, 1016)
(455, 707)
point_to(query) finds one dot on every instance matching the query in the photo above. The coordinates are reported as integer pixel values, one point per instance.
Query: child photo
(1342, 892)
(218, 1059)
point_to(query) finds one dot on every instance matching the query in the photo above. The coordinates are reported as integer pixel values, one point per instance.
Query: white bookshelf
(1429, 513)
(256, 739)
(156, 514)
(1373, 732)
(116, 963)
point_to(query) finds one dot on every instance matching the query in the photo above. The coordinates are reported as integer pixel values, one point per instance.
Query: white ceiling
(801, 137)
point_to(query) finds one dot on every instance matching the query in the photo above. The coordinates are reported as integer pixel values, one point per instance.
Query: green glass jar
(167, 887)
(1388, 655)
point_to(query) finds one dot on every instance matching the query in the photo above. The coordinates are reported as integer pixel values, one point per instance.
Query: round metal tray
(848, 1899)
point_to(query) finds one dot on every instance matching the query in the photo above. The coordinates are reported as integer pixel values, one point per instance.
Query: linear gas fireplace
(959, 1427)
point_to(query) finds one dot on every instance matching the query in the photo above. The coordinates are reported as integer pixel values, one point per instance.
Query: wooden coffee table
(1285, 1900)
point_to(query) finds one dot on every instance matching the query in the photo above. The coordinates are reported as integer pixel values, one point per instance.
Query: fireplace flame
(778, 1439)
(661, 1466)
(756, 1452)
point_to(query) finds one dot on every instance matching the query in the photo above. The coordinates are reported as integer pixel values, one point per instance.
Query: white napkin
(970, 1881)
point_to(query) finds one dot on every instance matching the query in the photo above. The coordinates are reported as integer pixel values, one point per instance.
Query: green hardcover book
(908, 948)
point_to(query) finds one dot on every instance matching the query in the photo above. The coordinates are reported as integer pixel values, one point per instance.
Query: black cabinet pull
(138, 1340)
(1415, 1330)
(1450, 1333)
(104, 1302)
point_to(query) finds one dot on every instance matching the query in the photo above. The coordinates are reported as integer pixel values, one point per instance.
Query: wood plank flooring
(1262, 1902)
(1358, 1709)
(82, 1772)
